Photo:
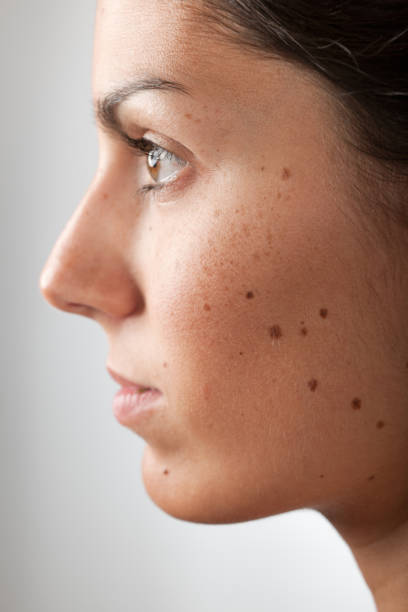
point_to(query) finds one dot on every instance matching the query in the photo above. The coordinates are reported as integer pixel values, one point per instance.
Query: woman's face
(244, 289)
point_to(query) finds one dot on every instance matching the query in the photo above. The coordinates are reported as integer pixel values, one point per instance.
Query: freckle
(279, 195)
(246, 230)
(312, 384)
(105, 196)
(188, 115)
(303, 331)
(380, 424)
(356, 403)
(285, 174)
(166, 472)
(150, 228)
(321, 475)
(323, 313)
(250, 295)
(269, 237)
(371, 477)
(217, 212)
(165, 364)
(275, 331)
(197, 120)
(241, 353)
(256, 256)
(206, 391)
(262, 168)
(207, 307)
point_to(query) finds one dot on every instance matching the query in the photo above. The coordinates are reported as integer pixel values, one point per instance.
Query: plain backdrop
(78, 531)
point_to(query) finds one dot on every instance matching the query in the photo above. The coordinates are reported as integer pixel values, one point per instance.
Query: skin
(247, 291)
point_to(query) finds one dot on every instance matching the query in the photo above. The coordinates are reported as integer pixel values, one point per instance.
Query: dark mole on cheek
(321, 475)
(371, 477)
(275, 331)
(207, 307)
(312, 384)
(286, 173)
(380, 424)
(166, 472)
(303, 331)
(250, 295)
(323, 313)
(241, 353)
(356, 403)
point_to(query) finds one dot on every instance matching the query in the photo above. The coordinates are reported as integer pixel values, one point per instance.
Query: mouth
(134, 402)
(133, 387)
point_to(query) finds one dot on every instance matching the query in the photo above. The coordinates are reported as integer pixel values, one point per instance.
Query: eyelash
(143, 146)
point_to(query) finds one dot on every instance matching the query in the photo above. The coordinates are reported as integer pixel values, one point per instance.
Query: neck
(381, 552)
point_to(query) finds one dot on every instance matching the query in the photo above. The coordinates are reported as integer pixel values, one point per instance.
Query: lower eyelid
(172, 189)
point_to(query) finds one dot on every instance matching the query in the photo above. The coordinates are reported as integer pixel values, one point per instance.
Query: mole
(321, 475)
(241, 353)
(105, 196)
(312, 384)
(275, 331)
(285, 174)
(356, 403)
(250, 295)
(207, 307)
(188, 115)
(371, 477)
(303, 331)
(166, 472)
(380, 424)
(323, 313)
(262, 168)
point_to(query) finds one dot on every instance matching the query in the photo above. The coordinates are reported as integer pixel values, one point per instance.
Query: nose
(87, 271)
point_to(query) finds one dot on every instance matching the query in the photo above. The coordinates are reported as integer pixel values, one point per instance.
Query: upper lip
(128, 383)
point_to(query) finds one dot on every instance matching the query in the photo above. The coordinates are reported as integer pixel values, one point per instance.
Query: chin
(189, 496)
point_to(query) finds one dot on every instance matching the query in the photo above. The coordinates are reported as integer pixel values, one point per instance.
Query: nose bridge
(86, 271)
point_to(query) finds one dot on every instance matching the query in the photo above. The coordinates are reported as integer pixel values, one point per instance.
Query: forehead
(136, 38)
(165, 39)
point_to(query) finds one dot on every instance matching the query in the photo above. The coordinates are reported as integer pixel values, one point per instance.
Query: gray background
(78, 531)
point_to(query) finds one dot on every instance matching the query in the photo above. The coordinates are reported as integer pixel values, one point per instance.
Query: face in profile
(219, 248)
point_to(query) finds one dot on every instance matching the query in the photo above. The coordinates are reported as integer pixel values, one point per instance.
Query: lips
(129, 384)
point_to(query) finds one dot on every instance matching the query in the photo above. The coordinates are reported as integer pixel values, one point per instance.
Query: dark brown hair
(360, 47)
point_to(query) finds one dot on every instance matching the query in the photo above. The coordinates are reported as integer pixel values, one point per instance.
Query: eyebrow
(105, 108)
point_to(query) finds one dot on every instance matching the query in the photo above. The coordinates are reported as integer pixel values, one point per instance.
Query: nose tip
(96, 285)
(48, 285)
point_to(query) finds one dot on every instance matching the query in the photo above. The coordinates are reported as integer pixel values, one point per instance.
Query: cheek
(249, 313)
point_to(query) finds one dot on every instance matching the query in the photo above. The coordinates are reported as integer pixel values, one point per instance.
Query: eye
(162, 165)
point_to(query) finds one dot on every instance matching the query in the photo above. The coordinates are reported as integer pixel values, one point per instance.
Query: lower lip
(129, 404)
